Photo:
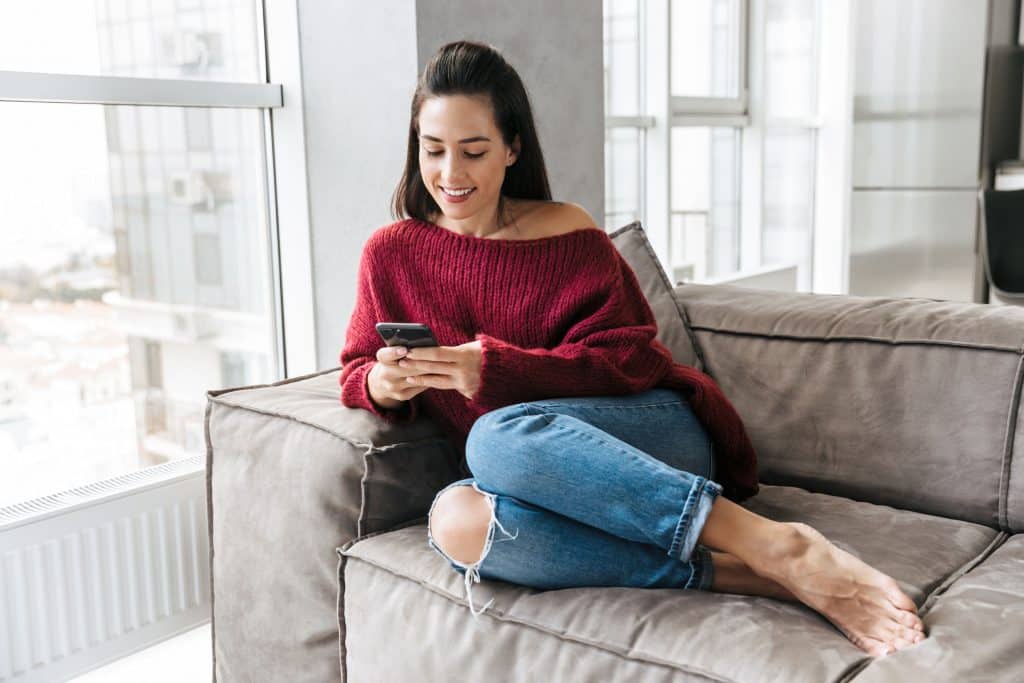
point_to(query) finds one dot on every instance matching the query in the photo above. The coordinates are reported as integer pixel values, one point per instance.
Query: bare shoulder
(550, 218)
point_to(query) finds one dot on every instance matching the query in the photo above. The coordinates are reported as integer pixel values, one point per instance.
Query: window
(790, 110)
(136, 255)
(212, 40)
(707, 48)
(705, 201)
(624, 136)
(710, 119)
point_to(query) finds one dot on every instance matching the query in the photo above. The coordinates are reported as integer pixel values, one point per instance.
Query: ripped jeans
(591, 491)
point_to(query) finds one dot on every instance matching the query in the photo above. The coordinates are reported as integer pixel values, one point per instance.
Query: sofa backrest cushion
(913, 403)
(673, 327)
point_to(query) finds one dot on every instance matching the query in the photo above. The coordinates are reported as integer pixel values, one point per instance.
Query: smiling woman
(466, 174)
(473, 163)
(591, 450)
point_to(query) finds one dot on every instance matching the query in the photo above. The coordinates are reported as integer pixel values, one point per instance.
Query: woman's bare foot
(864, 604)
(733, 575)
(867, 605)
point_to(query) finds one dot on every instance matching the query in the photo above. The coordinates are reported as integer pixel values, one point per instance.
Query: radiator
(92, 574)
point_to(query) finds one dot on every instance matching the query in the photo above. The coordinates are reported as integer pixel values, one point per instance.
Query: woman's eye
(471, 156)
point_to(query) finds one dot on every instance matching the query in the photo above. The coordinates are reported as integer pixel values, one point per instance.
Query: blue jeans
(597, 490)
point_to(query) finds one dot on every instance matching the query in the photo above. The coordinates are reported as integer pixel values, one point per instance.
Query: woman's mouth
(456, 195)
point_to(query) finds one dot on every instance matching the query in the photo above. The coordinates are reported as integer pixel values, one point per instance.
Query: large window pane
(705, 202)
(622, 176)
(790, 55)
(705, 37)
(208, 40)
(134, 276)
(621, 58)
(788, 206)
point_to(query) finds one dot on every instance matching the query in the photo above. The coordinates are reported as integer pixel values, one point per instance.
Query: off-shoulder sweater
(556, 316)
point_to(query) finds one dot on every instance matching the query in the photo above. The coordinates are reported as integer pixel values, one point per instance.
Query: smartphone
(410, 335)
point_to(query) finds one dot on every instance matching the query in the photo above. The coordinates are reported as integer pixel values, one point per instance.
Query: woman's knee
(488, 438)
(459, 523)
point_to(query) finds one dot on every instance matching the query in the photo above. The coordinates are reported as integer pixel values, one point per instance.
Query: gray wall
(360, 61)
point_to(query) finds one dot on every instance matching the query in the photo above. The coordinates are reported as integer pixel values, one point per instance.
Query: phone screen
(411, 335)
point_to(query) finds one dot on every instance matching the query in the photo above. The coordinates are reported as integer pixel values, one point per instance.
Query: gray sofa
(890, 425)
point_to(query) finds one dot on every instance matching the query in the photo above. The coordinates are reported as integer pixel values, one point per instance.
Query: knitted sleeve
(610, 350)
(359, 354)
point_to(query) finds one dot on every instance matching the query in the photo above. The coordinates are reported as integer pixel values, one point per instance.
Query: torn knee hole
(449, 510)
(459, 524)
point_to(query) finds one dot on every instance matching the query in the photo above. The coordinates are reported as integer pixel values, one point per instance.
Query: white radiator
(92, 574)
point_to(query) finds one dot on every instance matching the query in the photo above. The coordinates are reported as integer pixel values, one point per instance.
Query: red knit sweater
(557, 316)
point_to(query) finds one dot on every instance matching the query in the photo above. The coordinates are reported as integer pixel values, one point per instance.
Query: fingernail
(400, 350)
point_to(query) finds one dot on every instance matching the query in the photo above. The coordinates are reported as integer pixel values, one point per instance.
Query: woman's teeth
(458, 193)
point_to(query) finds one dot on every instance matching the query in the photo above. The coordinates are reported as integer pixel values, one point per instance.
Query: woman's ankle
(747, 535)
(732, 575)
(788, 543)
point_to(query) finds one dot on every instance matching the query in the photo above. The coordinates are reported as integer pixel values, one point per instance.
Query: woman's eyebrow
(473, 139)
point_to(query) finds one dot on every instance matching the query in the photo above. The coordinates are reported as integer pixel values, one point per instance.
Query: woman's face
(461, 149)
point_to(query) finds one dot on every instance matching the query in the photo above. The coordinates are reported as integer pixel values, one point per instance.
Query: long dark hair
(466, 67)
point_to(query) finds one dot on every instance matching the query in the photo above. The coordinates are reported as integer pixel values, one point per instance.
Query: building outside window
(135, 257)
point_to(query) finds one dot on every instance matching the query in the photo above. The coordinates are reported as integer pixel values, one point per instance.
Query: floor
(185, 657)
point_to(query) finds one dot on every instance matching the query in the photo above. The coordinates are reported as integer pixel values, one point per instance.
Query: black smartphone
(410, 335)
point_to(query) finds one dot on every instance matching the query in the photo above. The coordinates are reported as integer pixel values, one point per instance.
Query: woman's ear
(513, 155)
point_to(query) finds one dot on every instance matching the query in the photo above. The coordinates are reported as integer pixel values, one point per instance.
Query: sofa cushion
(975, 627)
(292, 473)
(399, 589)
(399, 465)
(673, 327)
(905, 402)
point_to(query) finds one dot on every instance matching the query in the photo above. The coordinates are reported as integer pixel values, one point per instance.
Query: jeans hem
(695, 512)
(703, 574)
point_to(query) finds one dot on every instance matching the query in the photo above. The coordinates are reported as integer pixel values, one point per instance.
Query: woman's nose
(450, 167)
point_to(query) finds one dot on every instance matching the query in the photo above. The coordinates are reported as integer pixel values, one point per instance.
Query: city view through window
(134, 253)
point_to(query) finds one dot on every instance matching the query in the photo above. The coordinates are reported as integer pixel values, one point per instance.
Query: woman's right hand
(386, 380)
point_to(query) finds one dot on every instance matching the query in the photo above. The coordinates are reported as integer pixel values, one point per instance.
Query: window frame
(662, 111)
(282, 153)
(284, 168)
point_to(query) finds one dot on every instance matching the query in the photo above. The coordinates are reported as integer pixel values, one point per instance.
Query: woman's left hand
(446, 367)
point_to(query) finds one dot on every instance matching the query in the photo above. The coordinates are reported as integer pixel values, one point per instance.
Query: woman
(582, 436)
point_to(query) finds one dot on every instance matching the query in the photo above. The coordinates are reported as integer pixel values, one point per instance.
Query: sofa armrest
(907, 402)
(292, 474)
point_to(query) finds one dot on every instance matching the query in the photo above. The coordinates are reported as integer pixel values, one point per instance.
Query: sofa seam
(282, 382)
(340, 616)
(360, 444)
(860, 338)
(209, 535)
(1007, 464)
(361, 519)
(684, 317)
(855, 669)
(526, 624)
(422, 519)
(997, 541)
